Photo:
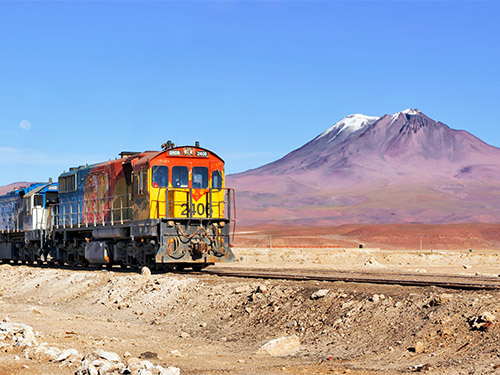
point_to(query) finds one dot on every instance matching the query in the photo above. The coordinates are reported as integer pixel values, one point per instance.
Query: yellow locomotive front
(186, 194)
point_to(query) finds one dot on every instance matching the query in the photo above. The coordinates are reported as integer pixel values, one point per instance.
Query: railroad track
(404, 279)
(442, 281)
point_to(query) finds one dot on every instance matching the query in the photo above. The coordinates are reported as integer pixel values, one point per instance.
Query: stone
(184, 335)
(145, 271)
(176, 353)
(282, 346)
(262, 289)
(319, 293)
(241, 289)
(482, 322)
(149, 355)
(65, 354)
(52, 353)
(419, 347)
(146, 364)
(109, 356)
(168, 371)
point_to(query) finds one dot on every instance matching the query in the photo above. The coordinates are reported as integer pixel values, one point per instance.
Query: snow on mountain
(348, 125)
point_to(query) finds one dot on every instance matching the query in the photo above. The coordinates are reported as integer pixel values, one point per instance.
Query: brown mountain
(400, 168)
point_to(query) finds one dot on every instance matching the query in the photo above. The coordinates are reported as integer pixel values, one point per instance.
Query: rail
(442, 281)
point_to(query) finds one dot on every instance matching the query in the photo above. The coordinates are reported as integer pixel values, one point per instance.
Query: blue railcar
(24, 217)
(71, 197)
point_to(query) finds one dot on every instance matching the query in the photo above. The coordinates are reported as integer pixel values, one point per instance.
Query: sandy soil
(460, 237)
(218, 325)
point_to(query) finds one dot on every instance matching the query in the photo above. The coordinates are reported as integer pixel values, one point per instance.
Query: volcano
(400, 168)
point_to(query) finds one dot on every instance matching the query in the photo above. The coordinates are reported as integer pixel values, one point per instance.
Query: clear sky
(251, 80)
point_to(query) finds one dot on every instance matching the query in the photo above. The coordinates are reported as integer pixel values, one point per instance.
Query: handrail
(93, 211)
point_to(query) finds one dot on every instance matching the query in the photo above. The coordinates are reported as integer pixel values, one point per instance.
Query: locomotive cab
(36, 204)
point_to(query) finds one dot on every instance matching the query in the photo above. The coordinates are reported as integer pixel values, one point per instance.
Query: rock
(109, 356)
(281, 347)
(146, 364)
(419, 347)
(149, 355)
(127, 355)
(441, 299)
(144, 372)
(65, 354)
(482, 322)
(20, 334)
(375, 298)
(168, 371)
(52, 353)
(319, 293)
(262, 289)
(145, 271)
(241, 289)
(176, 353)
(184, 335)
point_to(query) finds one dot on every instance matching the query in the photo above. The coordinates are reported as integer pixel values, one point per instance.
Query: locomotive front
(187, 194)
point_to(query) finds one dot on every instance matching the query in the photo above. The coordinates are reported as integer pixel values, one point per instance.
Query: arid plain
(204, 324)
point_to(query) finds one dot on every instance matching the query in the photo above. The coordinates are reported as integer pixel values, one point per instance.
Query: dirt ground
(459, 237)
(206, 324)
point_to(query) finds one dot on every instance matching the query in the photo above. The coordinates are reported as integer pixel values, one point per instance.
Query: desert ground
(195, 323)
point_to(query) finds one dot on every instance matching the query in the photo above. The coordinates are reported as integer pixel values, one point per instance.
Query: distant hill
(400, 168)
(7, 188)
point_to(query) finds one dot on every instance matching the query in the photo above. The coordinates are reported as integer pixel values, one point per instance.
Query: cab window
(200, 178)
(38, 200)
(180, 177)
(160, 176)
(216, 180)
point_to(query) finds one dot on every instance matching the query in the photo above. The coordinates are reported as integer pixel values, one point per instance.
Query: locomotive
(163, 209)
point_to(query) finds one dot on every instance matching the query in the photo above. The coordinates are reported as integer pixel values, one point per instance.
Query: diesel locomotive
(162, 209)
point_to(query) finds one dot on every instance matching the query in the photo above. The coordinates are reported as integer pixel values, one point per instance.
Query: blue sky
(251, 80)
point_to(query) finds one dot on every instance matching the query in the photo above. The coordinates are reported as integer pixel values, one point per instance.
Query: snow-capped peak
(348, 125)
(408, 111)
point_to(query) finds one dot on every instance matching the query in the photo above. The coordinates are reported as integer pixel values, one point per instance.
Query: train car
(165, 208)
(24, 220)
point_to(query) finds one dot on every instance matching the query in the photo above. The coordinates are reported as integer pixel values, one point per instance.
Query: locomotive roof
(137, 159)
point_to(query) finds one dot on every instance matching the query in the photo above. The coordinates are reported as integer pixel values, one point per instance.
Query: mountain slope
(404, 167)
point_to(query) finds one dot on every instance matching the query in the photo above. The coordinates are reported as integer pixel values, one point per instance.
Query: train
(165, 209)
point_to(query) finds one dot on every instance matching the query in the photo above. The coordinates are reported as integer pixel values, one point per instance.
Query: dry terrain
(462, 237)
(203, 324)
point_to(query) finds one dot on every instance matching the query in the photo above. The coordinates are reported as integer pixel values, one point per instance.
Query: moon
(25, 125)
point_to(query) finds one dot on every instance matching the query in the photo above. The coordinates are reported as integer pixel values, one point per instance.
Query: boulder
(282, 346)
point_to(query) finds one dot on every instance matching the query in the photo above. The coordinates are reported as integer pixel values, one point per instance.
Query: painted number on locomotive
(199, 209)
